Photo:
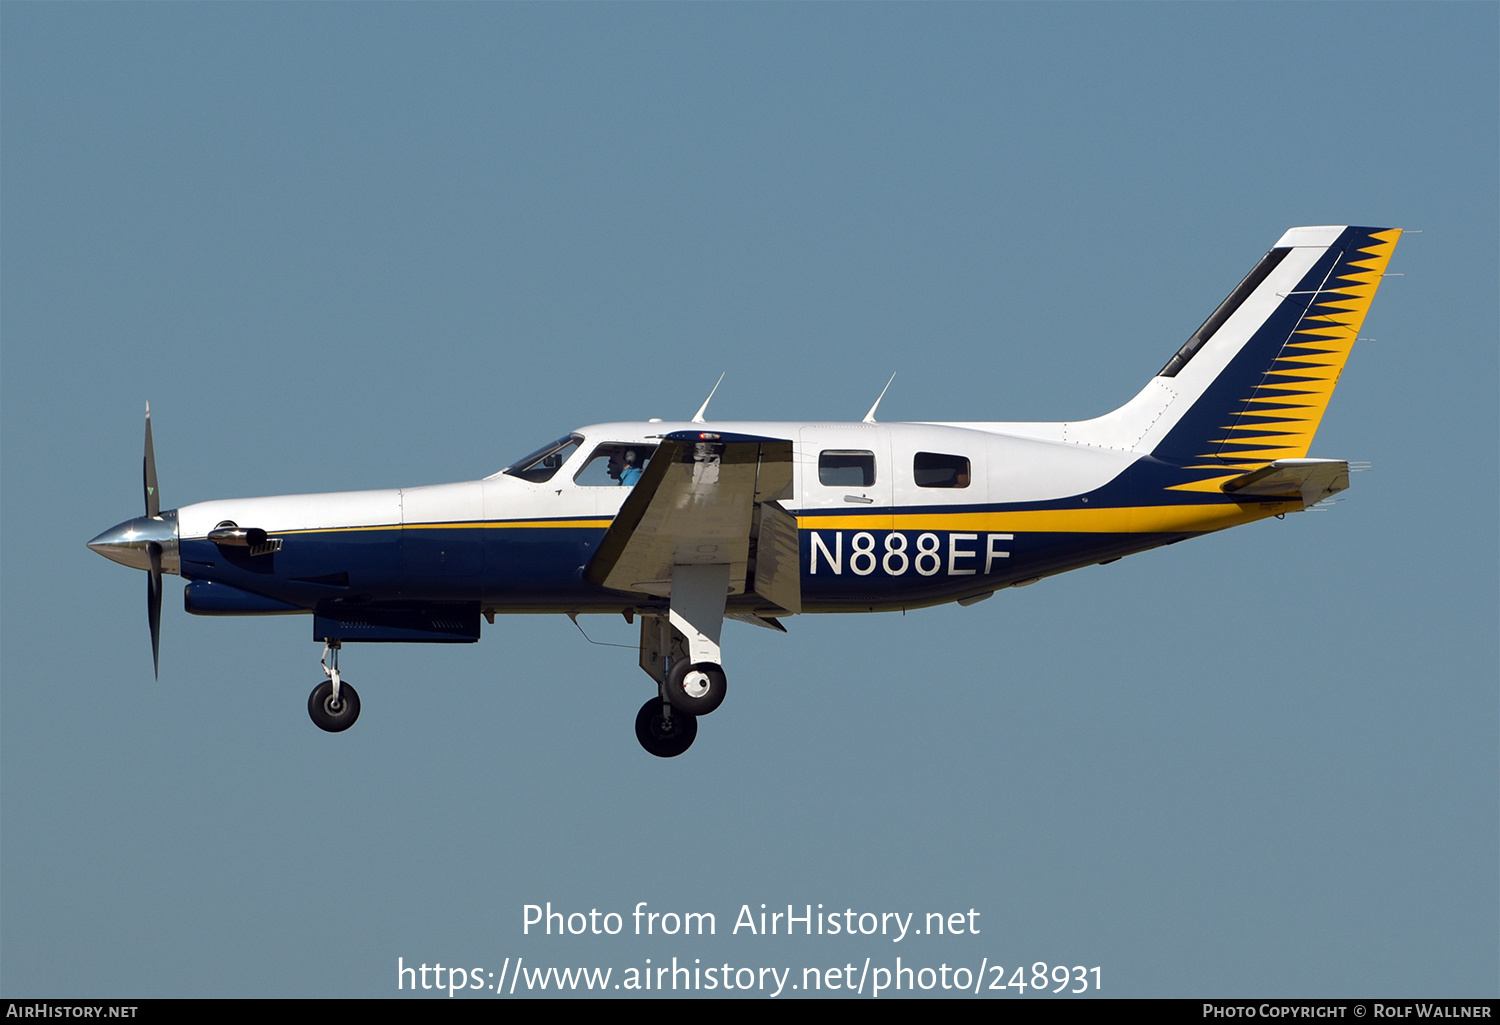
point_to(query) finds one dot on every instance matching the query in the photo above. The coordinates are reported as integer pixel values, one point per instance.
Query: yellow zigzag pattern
(1281, 416)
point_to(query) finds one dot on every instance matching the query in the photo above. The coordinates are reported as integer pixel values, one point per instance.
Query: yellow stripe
(1148, 519)
(1213, 485)
(468, 525)
(503, 524)
(333, 530)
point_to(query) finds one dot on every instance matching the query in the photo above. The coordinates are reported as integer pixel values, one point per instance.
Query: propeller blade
(148, 471)
(153, 600)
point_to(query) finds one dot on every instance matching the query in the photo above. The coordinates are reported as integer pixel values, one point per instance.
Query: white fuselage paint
(1006, 468)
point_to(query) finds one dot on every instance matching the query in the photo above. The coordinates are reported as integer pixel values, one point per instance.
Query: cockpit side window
(540, 465)
(614, 464)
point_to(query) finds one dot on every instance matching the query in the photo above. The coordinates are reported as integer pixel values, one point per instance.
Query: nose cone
(126, 543)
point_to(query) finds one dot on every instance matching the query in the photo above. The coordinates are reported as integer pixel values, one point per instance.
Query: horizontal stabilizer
(1311, 480)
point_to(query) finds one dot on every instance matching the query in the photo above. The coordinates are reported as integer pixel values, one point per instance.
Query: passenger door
(844, 497)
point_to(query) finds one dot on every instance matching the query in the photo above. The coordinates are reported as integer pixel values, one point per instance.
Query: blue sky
(346, 247)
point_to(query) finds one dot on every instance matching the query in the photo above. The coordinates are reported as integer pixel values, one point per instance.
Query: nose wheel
(333, 704)
(334, 715)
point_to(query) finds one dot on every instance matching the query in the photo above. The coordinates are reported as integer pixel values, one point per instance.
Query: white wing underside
(701, 503)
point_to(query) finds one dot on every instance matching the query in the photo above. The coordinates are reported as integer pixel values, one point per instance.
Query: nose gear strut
(331, 650)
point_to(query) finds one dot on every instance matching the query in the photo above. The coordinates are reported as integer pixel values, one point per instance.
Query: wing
(702, 501)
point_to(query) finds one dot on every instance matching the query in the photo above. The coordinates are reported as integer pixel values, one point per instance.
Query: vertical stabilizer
(1251, 385)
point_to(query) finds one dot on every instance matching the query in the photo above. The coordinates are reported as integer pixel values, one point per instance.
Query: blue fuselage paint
(517, 569)
(539, 567)
(911, 568)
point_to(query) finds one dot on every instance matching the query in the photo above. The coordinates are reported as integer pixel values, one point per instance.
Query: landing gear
(333, 704)
(696, 688)
(680, 651)
(328, 713)
(665, 736)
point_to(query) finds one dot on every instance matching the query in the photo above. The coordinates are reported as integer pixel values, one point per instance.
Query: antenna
(698, 416)
(870, 416)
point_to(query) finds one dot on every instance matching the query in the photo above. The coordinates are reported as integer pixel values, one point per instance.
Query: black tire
(696, 688)
(661, 738)
(328, 717)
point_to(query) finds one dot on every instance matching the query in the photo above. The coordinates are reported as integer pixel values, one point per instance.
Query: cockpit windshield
(540, 465)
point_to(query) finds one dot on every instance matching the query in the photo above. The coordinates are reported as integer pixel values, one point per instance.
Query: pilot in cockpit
(625, 465)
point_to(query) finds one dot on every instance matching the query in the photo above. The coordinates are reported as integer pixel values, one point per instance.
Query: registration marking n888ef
(895, 552)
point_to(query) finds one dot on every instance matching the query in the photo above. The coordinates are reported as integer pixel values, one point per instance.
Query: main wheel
(696, 688)
(326, 715)
(663, 737)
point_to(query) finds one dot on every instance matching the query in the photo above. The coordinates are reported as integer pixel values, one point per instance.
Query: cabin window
(540, 465)
(846, 469)
(614, 464)
(935, 470)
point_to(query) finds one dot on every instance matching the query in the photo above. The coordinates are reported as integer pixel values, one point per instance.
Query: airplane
(686, 524)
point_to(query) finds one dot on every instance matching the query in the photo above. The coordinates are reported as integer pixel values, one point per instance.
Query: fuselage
(889, 516)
